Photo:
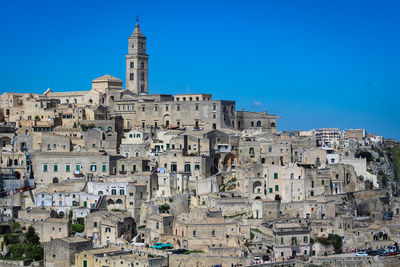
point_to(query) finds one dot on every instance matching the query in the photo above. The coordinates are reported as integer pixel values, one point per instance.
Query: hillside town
(116, 176)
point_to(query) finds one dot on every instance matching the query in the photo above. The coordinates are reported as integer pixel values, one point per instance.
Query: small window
(44, 167)
(104, 167)
(55, 168)
(131, 76)
(275, 175)
(194, 233)
(276, 187)
(95, 224)
(132, 65)
(67, 168)
(93, 168)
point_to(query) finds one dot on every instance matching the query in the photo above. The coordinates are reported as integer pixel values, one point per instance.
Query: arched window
(122, 192)
(258, 123)
(75, 101)
(114, 192)
(55, 180)
(100, 193)
(214, 126)
(292, 176)
(257, 187)
(273, 125)
(119, 201)
(108, 230)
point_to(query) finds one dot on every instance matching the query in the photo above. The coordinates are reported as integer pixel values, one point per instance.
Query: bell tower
(137, 68)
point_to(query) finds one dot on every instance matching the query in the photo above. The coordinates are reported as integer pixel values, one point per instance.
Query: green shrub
(5, 229)
(78, 228)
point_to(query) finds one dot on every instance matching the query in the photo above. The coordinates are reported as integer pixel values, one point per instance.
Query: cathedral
(134, 105)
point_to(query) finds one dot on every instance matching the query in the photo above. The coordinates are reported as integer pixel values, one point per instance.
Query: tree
(31, 236)
(336, 241)
(15, 226)
(70, 214)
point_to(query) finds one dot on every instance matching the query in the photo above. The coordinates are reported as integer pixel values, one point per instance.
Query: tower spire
(137, 28)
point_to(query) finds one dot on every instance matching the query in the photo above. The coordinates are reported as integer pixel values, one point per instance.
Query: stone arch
(55, 180)
(166, 120)
(258, 124)
(273, 125)
(214, 126)
(257, 197)
(257, 187)
(110, 202)
(119, 201)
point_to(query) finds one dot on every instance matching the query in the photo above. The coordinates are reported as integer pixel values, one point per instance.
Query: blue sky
(315, 63)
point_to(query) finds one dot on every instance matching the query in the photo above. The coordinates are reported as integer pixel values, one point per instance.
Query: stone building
(60, 252)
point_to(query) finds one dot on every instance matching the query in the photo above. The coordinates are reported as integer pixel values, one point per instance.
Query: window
(67, 168)
(131, 76)
(197, 107)
(132, 65)
(312, 184)
(123, 167)
(142, 76)
(142, 65)
(108, 230)
(44, 167)
(104, 167)
(100, 193)
(214, 107)
(275, 175)
(122, 192)
(174, 168)
(93, 168)
(194, 233)
(166, 108)
(134, 168)
(95, 224)
(213, 232)
(178, 108)
(48, 147)
(197, 167)
(187, 167)
(281, 240)
(77, 168)
(114, 192)
(276, 187)
(305, 239)
(55, 168)
(322, 182)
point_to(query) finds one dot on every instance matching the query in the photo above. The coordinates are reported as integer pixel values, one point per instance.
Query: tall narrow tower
(137, 68)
